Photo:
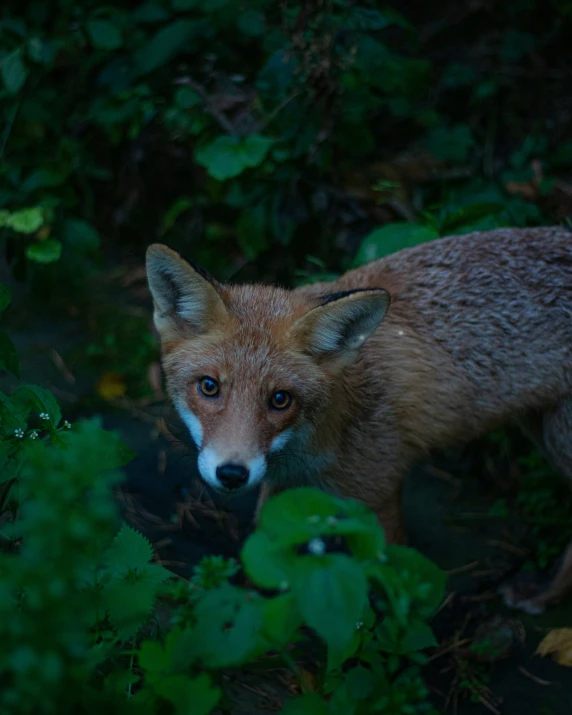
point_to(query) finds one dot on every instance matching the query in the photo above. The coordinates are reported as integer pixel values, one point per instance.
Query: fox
(344, 385)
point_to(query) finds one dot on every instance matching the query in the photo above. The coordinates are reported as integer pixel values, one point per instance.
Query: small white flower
(359, 624)
(19, 433)
(382, 557)
(44, 416)
(33, 435)
(67, 424)
(314, 519)
(284, 585)
(316, 546)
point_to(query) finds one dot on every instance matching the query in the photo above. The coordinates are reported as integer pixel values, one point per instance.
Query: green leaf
(5, 296)
(190, 696)
(14, 72)
(46, 251)
(394, 638)
(26, 220)
(229, 156)
(129, 601)
(309, 704)
(9, 359)
(251, 23)
(228, 626)
(281, 620)
(268, 563)
(331, 592)
(104, 35)
(31, 398)
(450, 144)
(390, 238)
(130, 551)
(168, 41)
(80, 234)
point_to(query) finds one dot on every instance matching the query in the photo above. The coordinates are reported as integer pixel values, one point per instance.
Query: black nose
(232, 476)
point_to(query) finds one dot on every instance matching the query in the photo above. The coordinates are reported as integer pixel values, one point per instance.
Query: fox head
(250, 368)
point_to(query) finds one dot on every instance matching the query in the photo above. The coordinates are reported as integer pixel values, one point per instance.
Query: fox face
(250, 369)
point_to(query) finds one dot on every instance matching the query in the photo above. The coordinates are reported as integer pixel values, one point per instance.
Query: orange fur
(479, 331)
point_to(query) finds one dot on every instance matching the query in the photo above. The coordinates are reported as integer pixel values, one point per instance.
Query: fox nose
(232, 476)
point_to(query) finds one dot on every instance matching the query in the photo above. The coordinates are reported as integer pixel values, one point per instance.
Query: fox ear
(185, 297)
(342, 322)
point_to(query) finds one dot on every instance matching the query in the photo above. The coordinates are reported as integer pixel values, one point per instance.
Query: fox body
(344, 385)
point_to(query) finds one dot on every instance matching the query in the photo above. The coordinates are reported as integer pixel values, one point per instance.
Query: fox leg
(553, 431)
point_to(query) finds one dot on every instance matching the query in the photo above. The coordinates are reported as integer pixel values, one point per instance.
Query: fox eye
(280, 400)
(208, 387)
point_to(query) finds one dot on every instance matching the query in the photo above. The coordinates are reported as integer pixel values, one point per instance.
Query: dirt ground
(446, 520)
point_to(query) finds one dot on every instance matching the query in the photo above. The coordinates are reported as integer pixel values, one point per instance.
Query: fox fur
(428, 347)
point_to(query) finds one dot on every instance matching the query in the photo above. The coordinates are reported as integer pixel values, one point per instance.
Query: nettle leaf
(26, 220)
(189, 696)
(5, 296)
(13, 415)
(130, 551)
(395, 638)
(166, 43)
(47, 251)
(331, 592)
(104, 35)
(229, 156)
(14, 72)
(129, 602)
(9, 359)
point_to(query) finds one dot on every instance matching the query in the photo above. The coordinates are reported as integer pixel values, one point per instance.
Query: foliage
(83, 623)
(220, 127)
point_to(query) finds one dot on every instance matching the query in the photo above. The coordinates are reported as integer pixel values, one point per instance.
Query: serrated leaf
(47, 251)
(129, 604)
(5, 296)
(9, 359)
(26, 220)
(190, 696)
(14, 72)
(130, 551)
(394, 638)
(390, 238)
(104, 35)
(331, 593)
(164, 45)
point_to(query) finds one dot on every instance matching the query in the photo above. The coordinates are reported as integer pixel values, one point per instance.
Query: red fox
(344, 385)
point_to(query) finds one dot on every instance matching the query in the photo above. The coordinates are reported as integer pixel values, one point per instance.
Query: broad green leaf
(104, 35)
(26, 220)
(5, 296)
(403, 640)
(46, 251)
(13, 415)
(190, 696)
(32, 398)
(228, 626)
(268, 563)
(309, 704)
(14, 72)
(152, 657)
(281, 619)
(9, 359)
(129, 602)
(331, 592)
(168, 41)
(229, 156)
(391, 238)
(80, 235)
(130, 551)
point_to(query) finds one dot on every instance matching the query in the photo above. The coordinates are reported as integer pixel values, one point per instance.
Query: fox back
(429, 346)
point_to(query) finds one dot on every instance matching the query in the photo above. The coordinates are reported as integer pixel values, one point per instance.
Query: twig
(221, 118)
(533, 677)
